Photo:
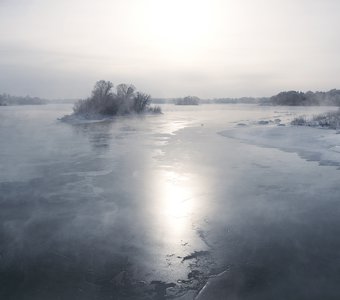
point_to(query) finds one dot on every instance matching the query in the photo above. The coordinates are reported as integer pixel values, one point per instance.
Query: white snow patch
(310, 143)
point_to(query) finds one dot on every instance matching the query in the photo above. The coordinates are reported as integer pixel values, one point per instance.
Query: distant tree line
(126, 99)
(6, 99)
(188, 100)
(291, 98)
(104, 100)
(243, 100)
(295, 98)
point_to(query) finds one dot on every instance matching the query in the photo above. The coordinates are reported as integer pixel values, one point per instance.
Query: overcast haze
(231, 48)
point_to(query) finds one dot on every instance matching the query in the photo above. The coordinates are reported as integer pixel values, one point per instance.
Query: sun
(179, 20)
(179, 26)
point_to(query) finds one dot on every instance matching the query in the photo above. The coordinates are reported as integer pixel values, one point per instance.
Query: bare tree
(141, 102)
(102, 89)
(125, 91)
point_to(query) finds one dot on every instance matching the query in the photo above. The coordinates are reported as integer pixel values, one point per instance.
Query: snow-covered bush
(327, 120)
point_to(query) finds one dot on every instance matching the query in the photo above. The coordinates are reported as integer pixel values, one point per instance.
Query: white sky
(169, 48)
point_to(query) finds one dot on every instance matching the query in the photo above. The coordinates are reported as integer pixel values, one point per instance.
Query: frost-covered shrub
(299, 121)
(328, 120)
(155, 110)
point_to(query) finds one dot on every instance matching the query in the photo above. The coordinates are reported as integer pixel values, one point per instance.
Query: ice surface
(155, 207)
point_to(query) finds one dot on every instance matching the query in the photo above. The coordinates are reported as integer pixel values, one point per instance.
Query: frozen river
(152, 207)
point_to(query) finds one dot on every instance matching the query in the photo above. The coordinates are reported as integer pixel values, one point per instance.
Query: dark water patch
(195, 255)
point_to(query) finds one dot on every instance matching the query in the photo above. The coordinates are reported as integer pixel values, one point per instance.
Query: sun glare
(175, 202)
(179, 27)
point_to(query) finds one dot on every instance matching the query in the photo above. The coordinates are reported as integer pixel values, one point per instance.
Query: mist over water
(149, 207)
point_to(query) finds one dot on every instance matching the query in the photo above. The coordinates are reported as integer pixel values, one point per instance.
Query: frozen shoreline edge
(310, 143)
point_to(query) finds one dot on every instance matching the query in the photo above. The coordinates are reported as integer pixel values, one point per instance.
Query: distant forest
(294, 98)
(188, 100)
(6, 99)
(290, 98)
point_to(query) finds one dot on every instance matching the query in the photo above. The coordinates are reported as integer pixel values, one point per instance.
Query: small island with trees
(188, 100)
(105, 102)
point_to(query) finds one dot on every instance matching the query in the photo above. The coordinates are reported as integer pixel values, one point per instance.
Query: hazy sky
(169, 48)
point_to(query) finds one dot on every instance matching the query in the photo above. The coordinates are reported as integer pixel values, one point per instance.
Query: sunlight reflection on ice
(177, 197)
(175, 205)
